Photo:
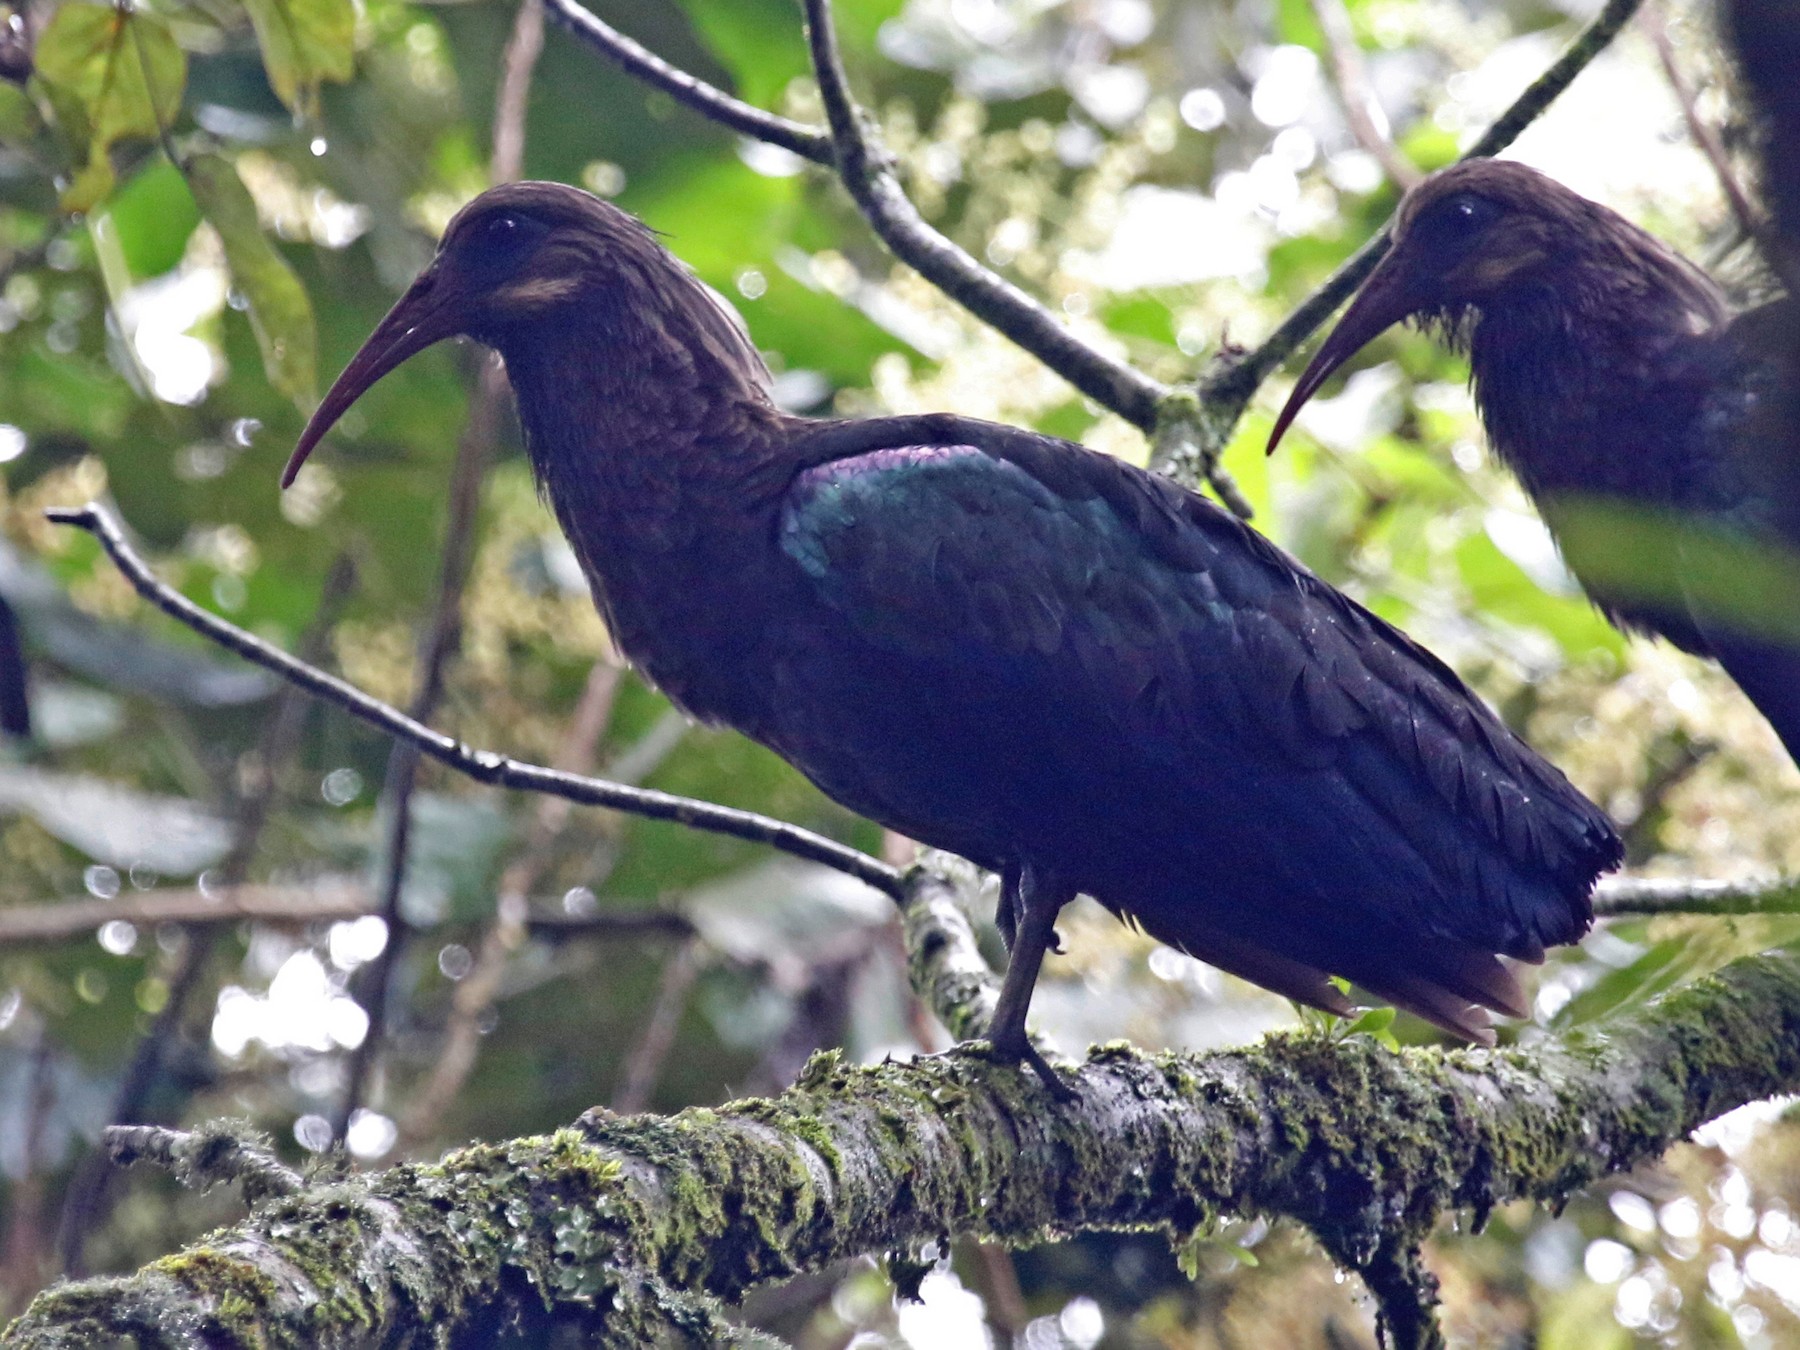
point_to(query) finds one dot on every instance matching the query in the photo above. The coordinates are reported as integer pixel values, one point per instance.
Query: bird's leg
(1029, 905)
(1006, 913)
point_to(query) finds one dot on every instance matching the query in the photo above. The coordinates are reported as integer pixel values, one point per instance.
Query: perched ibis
(1069, 670)
(1644, 419)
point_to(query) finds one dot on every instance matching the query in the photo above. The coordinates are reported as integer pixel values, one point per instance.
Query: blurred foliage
(205, 207)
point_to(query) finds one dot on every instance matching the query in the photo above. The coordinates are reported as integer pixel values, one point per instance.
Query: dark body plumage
(1069, 670)
(1610, 374)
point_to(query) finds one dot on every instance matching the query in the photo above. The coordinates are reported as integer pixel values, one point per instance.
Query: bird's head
(1473, 236)
(520, 260)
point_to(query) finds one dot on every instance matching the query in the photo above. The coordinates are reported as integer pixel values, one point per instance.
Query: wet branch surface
(602, 1223)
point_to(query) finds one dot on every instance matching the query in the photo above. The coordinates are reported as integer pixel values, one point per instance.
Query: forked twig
(1189, 436)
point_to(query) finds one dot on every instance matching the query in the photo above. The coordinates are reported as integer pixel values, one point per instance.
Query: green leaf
(756, 40)
(1190, 1256)
(155, 216)
(113, 73)
(1378, 1025)
(304, 43)
(1698, 949)
(1623, 549)
(279, 309)
(1187, 1255)
(114, 824)
(74, 394)
(19, 119)
(1429, 145)
(1499, 589)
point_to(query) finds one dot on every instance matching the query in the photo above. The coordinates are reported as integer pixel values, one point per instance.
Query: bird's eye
(501, 233)
(1465, 213)
(501, 242)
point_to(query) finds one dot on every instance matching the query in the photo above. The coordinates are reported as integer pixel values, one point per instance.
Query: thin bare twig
(1755, 225)
(513, 97)
(61, 920)
(90, 1190)
(1620, 897)
(1351, 76)
(1672, 762)
(443, 637)
(1545, 89)
(1748, 218)
(221, 1151)
(867, 173)
(998, 1280)
(713, 104)
(644, 1065)
(22, 1268)
(331, 902)
(484, 766)
(476, 993)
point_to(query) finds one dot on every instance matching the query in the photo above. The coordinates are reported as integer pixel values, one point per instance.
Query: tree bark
(635, 1228)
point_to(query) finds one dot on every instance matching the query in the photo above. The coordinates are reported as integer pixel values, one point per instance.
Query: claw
(1027, 1054)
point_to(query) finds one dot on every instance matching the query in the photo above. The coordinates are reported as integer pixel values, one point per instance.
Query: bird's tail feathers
(1273, 971)
(1450, 985)
(1438, 1005)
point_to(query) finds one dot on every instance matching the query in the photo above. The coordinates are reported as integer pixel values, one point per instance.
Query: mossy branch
(218, 1153)
(630, 1228)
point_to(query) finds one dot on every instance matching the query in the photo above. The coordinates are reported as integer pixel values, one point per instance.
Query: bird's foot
(1024, 1052)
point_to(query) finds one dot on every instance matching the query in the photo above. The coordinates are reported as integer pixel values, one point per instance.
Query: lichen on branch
(632, 1227)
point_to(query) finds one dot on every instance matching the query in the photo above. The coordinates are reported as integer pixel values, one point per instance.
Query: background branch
(443, 635)
(1619, 897)
(476, 992)
(89, 1197)
(328, 902)
(1755, 225)
(1350, 73)
(475, 450)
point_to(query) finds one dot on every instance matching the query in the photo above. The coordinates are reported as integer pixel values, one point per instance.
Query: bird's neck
(662, 458)
(639, 430)
(1593, 385)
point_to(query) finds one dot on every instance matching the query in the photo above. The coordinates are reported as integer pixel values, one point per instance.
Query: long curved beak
(430, 311)
(1387, 297)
